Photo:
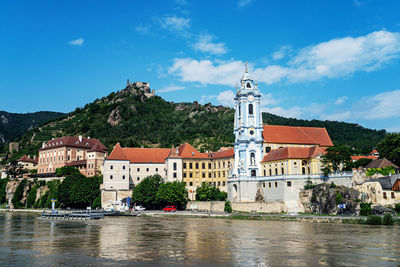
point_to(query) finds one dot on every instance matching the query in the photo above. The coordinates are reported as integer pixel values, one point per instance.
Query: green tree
(30, 200)
(18, 194)
(389, 148)
(172, 193)
(361, 163)
(228, 207)
(66, 170)
(145, 192)
(13, 169)
(336, 159)
(209, 193)
(3, 193)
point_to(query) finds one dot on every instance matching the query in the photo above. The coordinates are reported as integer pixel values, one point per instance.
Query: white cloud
(206, 72)
(205, 44)
(143, 29)
(226, 98)
(394, 129)
(174, 23)
(78, 41)
(282, 52)
(340, 100)
(332, 59)
(380, 106)
(171, 88)
(339, 116)
(243, 3)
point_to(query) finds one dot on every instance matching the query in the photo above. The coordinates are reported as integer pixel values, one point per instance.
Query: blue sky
(336, 60)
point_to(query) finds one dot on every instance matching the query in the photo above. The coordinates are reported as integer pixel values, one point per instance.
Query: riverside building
(273, 163)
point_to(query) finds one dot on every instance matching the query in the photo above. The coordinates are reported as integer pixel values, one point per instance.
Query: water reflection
(119, 241)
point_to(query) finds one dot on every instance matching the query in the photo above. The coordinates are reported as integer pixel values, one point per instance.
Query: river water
(26, 240)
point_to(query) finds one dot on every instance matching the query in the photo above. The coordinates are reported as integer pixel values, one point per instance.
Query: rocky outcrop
(381, 210)
(115, 117)
(324, 198)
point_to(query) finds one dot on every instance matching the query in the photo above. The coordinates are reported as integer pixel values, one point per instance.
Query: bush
(228, 207)
(365, 209)
(374, 220)
(30, 201)
(333, 185)
(338, 198)
(19, 192)
(397, 207)
(3, 185)
(388, 219)
(309, 185)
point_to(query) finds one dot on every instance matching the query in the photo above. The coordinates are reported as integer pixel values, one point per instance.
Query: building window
(276, 171)
(265, 173)
(223, 183)
(219, 183)
(269, 184)
(174, 174)
(111, 177)
(191, 183)
(289, 183)
(264, 185)
(250, 109)
(203, 175)
(123, 167)
(184, 165)
(276, 184)
(138, 169)
(384, 195)
(111, 167)
(156, 169)
(184, 175)
(283, 171)
(223, 164)
(174, 166)
(147, 169)
(303, 170)
(138, 178)
(203, 165)
(190, 165)
(392, 194)
(190, 175)
(253, 173)
(123, 177)
(209, 175)
(209, 165)
(270, 172)
(197, 165)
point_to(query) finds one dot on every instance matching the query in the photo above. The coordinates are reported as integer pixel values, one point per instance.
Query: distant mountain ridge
(14, 125)
(133, 117)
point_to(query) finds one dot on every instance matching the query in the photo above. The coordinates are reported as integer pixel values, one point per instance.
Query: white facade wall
(139, 171)
(116, 174)
(174, 170)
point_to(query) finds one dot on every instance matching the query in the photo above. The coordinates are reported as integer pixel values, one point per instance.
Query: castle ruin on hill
(140, 86)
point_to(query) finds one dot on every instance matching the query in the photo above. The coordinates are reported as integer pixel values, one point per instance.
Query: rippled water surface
(26, 240)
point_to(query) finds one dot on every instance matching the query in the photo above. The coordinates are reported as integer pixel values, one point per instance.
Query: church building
(272, 163)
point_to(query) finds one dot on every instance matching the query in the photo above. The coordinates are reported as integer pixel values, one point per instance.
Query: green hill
(131, 118)
(14, 125)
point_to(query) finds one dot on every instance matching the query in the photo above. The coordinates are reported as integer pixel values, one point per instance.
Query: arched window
(239, 111)
(283, 171)
(303, 170)
(248, 85)
(252, 158)
(253, 173)
(270, 172)
(251, 109)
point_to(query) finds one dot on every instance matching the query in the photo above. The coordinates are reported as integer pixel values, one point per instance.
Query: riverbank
(238, 216)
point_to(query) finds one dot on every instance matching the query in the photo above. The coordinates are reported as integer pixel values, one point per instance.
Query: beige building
(27, 163)
(86, 154)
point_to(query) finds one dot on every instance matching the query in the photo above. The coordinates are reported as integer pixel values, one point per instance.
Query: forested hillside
(131, 118)
(14, 125)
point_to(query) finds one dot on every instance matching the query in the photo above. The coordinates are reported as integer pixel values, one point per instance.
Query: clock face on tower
(250, 98)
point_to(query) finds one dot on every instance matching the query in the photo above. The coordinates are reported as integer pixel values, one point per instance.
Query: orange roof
(173, 154)
(296, 135)
(363, 157)
(188, 151)
(293, 153)
(374, 152)
(226, 153)
(139, 155)
(25, 158)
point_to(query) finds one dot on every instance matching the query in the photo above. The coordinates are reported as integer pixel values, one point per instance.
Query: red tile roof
(296, 135)
(25, 158)
(139, 155)
(188, 151)
(73, 141)
(354, 158)
(293, 153)
(227, 153)
(173, 154)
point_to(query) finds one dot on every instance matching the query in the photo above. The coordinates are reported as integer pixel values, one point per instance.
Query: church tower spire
(248, 129)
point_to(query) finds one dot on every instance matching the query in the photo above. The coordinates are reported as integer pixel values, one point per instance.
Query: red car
(169, 208)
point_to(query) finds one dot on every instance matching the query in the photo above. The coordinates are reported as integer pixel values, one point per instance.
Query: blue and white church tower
(248, 128)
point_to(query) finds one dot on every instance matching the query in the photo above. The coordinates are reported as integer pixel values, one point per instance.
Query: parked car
(169, 208)
(139, 208)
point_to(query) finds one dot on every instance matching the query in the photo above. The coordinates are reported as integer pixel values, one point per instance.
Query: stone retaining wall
(218, 206)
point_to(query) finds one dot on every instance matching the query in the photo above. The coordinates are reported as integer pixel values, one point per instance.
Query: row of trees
(153, 193)
(75, 191)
